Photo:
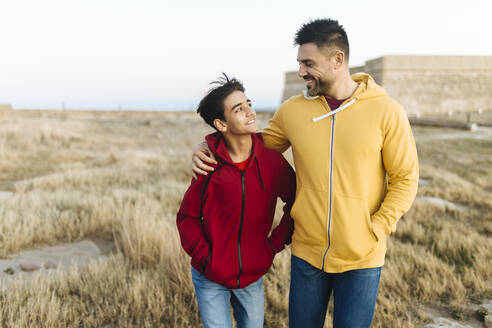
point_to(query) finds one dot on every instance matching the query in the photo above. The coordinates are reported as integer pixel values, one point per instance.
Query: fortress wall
(439, 84)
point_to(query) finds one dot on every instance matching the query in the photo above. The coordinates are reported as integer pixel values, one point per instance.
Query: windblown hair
(324, 33)
(211, 107)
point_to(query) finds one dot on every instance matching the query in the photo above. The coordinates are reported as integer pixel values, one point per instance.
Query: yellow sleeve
(274, 135)
(401, 163)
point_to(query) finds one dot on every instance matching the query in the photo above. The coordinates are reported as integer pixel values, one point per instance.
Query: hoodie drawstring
(259, 173)
(333, 112)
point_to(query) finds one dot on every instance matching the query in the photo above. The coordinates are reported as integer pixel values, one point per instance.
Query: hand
(202, 154)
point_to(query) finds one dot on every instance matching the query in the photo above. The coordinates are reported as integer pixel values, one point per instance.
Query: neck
(238, 146)
(343, 87)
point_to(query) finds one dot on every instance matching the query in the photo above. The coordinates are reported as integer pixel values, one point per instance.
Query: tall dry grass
(121, 176)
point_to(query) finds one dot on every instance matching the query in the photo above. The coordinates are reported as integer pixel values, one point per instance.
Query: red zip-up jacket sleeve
(189, 223)
(286, 189)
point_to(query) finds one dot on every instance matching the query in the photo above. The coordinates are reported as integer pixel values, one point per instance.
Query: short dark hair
(211, 107)
(323, 32)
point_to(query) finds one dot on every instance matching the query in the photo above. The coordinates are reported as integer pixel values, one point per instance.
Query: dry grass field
(121, 176)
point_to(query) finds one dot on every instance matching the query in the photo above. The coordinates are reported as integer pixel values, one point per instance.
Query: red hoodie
(230, 245)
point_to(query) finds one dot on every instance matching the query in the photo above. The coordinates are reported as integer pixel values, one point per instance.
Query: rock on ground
(53, 257)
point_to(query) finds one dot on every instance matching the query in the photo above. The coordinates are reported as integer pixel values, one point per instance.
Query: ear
(339, 58)
(220, 125)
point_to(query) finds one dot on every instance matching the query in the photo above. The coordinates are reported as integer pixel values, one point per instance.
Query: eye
(238, 110)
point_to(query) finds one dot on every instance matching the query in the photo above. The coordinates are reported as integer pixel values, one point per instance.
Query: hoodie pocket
(352, 234)
(223, 266)
(201, 262)
(207, 259)
(257, 256)
(310, 219)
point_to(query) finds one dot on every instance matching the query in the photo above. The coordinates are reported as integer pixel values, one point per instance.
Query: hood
(367, 87)
(216, 144)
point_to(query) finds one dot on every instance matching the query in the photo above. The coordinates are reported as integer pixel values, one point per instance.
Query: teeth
(252, 121)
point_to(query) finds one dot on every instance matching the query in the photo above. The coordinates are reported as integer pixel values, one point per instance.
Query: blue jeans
(354, 294)
(215, 300)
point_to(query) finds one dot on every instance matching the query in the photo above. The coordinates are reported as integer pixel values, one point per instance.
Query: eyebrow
(305, 61)
(239, 104)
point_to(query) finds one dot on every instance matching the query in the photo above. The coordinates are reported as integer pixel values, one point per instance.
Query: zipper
(241, 228)
(331, 113)
(330, 189)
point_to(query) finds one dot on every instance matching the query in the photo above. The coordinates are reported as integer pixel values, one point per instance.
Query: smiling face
(318, 67)
(240, 117)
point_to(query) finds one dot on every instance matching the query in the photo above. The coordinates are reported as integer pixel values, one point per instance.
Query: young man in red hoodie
(225, 218)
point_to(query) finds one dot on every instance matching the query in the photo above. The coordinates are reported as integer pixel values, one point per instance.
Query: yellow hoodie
(345, 204)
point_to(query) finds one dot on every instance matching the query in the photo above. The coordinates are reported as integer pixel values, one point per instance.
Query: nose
(250, 111)
(302, 71)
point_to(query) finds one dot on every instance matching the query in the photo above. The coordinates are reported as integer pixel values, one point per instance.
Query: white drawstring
(333, 112)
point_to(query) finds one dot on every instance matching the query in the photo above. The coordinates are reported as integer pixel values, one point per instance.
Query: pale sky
(158, 54)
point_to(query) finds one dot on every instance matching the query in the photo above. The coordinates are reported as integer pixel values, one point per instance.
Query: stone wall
(426, 84)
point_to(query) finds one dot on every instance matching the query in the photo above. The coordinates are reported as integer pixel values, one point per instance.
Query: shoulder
(386, 108)
(293, 103)
(385, 104)
(273, 159)
(394, 112)
(297, 109)
(293, 100)
(201, 180)
(271, 154)
(265, 153)
(392, 106)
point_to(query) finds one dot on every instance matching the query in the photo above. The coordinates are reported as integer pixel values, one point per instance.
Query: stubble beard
(319, 88)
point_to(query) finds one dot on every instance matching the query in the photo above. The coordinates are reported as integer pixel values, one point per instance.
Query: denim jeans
(215, 300)
(354, 294)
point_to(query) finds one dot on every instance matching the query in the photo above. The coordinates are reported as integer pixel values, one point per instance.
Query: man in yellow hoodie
(357, 173)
